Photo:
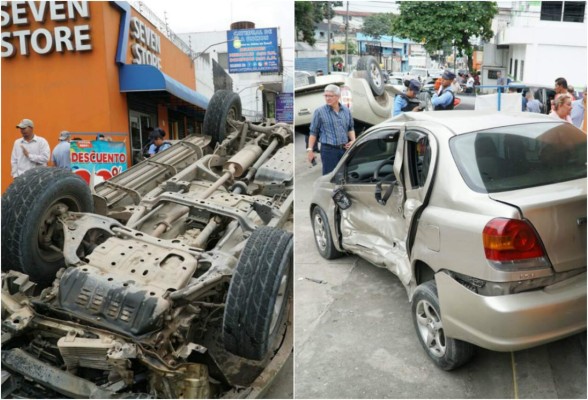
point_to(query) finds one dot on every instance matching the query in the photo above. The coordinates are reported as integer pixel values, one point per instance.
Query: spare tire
(258, 295)
(31, 232)
(224, 105)
(374, 74)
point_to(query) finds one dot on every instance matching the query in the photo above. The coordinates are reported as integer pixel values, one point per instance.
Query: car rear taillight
(511, 240)
(347, 97)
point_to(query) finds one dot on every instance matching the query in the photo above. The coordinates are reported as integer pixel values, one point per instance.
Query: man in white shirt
(29, 152)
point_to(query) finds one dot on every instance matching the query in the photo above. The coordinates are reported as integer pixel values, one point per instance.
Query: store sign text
(147, 48)
(42, 40)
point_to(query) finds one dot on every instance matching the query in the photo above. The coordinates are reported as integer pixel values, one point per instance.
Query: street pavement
(354, 336)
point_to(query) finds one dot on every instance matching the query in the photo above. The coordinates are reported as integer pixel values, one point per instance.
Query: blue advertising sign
(97, 160)
(257, 52)
(285, 108)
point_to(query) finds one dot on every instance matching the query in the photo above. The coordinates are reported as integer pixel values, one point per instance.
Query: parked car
(482, 216)
(545, 94)
(170, 280)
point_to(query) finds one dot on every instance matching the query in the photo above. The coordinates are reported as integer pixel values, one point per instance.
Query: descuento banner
(97, 160)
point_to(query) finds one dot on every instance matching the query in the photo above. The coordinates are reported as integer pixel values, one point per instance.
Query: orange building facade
(92, 67)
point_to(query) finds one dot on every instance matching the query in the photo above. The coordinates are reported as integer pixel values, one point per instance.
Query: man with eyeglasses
(332, 126)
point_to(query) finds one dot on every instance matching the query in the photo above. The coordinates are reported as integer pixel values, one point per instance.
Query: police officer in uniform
(402, 102)
(443, 100)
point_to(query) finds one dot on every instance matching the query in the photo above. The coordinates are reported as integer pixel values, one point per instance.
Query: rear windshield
(520, 156)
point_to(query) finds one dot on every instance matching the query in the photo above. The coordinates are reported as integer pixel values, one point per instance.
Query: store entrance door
(140, 124)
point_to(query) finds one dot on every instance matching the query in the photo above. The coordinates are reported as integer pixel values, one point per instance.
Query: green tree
(378, 25)
(440, 23)
(309, 13)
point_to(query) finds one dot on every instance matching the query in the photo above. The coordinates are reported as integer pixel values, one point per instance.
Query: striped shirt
(331, 127)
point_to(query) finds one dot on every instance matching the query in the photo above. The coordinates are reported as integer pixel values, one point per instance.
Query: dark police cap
(414, 85)
(448, 75)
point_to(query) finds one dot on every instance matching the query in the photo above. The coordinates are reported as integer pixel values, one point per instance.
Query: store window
(563, 11)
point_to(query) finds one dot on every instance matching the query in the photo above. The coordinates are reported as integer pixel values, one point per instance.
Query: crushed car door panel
(379, 232)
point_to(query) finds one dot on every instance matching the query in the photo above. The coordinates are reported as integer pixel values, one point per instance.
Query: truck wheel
(446, 353)
(31, 232)
(258, 294)
(374, 74)
(322, 235)
(224, 106)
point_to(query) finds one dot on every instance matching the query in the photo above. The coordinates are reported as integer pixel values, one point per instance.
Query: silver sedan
(481, 216)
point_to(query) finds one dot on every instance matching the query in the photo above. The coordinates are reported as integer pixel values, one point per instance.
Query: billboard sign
(256, 50)
(285, 108)
(97, 160)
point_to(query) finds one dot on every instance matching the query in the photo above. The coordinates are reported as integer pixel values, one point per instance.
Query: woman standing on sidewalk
(562, 108)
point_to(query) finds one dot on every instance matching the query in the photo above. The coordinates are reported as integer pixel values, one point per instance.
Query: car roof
(465, 121)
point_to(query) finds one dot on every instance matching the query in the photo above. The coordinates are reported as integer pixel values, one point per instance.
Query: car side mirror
(341, 198)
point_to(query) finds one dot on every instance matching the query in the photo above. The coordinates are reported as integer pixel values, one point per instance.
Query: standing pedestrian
(562, 108)
(500, 81)
(30, 151)
(332, 123)
(402, 102)
(157, 144)
(533, 105)
(470, 84)
(578, 114)
(443, 100)
(61, 153)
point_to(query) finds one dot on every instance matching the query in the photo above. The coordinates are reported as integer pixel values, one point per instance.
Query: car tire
(258, 295)
(374, 74)
(322, 235)
(446, 353)
(30, 230)
(223, 106)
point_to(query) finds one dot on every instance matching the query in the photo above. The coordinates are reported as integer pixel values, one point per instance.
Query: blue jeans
(330, 157)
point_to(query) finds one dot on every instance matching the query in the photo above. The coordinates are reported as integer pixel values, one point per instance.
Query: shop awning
(146, 78)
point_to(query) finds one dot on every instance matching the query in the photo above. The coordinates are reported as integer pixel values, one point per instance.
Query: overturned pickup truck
(171, 280)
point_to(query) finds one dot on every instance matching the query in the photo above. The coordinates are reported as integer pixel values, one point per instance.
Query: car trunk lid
(558, 213)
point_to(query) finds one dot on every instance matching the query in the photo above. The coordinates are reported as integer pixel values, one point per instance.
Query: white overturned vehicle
(173, 280)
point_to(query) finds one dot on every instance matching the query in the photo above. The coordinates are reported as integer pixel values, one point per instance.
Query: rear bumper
(513, 322)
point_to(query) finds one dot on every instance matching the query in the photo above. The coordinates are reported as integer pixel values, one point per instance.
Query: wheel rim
(430, 328)
(320, 234)
(50, 231)
(376, 76)
(280, 299)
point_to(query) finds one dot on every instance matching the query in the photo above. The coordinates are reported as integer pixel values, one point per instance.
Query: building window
(516, 69)
(566, 11)
(522, 70)
(510, 67)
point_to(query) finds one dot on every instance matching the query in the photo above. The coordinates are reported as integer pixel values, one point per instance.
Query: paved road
(354, 336)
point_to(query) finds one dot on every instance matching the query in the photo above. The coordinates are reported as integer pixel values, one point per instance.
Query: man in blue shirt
(332, 126)
(402, 101)
(61, 152)
(443, 100)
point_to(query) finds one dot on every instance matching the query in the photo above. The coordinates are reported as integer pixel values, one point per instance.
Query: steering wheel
(387, 161)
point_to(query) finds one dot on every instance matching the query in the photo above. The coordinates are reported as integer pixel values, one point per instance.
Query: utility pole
(329, 39)
(346, 39)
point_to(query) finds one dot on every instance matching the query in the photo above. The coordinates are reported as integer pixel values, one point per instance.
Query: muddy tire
(258, 295)
(446, 353)
(323, 239)
(30, 230)
(374, 74)
(225, 105)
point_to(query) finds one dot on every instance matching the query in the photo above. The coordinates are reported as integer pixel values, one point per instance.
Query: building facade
(539, 41)
(90, 68)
